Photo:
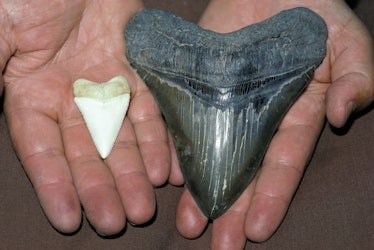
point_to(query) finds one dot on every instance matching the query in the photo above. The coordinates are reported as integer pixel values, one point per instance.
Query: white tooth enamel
(103, 106)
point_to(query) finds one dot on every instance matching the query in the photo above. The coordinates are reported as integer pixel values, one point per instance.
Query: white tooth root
(103, 107)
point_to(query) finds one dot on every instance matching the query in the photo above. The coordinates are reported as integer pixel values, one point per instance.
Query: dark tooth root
(223, 95)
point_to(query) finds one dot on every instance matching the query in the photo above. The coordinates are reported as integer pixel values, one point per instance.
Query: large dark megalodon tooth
(223, 95)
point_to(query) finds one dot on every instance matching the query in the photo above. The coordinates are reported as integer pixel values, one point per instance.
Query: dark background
(333, 208)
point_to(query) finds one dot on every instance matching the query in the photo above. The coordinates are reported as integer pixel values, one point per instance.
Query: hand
(343, 83)
(52, 44)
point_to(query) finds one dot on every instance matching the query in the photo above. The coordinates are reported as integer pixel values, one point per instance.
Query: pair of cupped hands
(46, 45)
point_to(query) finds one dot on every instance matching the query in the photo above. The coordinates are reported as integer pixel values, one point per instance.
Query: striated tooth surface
(103, 107)
(223, 95)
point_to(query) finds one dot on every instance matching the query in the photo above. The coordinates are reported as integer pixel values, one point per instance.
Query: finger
(352, 73)
(190, 221)
(283, 166)
(131, 178)
(37, 141)
(93, 180)
(228, 230)
(151, 135)
(347, 94)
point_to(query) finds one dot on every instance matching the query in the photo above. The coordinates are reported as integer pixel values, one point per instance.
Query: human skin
(44, 47)
(342, 84)
(43, 52)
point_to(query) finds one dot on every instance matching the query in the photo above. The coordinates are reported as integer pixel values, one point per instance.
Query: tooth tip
(103, 153)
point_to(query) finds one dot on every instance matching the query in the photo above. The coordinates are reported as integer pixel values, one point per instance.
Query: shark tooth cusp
(223, 95)
(103, 107)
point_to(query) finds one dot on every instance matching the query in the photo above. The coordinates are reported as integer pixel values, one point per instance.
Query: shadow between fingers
(2, 104)
(353, 3)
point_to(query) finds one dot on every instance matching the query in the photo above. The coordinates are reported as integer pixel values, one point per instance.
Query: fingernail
(132, 223)
(101, 234)
(349, 109)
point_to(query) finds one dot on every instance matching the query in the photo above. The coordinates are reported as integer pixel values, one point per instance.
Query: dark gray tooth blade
(223, 95)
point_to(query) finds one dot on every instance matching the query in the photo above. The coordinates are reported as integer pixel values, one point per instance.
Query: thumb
(347, 94)
(352, 73)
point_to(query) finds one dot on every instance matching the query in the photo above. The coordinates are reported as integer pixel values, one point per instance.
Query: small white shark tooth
(103, 106)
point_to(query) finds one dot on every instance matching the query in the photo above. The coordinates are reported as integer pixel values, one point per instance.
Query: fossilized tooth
(103, 106)
(223, 95)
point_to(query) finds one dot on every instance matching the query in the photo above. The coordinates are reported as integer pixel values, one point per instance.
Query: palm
(80, 39)
(336, 83)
